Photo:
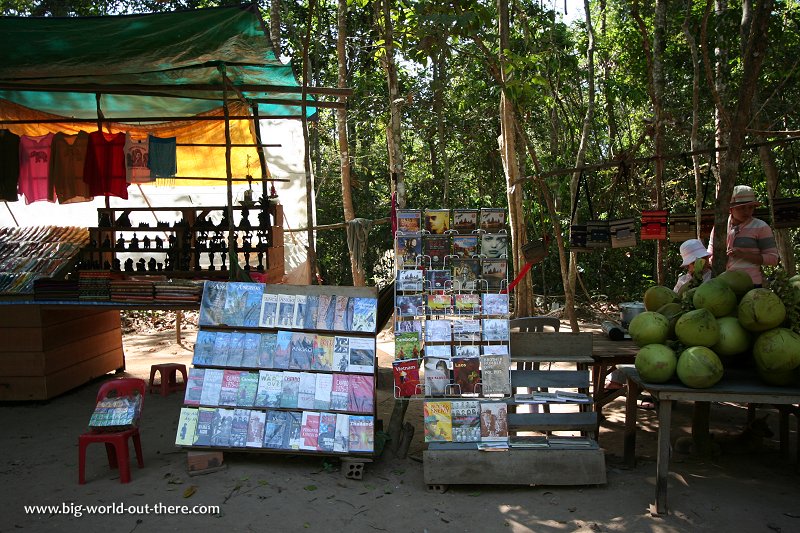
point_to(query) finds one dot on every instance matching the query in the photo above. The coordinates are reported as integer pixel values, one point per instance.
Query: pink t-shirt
(34, 168)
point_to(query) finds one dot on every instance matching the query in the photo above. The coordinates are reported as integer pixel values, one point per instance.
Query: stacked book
(178, 291)
(128, 290)
(55, 289)
(94, 285)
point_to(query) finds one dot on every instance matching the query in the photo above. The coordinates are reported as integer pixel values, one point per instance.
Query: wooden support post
(178, 316)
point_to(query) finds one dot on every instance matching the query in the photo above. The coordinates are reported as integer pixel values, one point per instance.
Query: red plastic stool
(169, 378)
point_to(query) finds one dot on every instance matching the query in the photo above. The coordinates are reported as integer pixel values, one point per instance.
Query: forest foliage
(446, 85)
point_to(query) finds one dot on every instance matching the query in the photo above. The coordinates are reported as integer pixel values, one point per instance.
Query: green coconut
(777, 350)
(733, 338)
(716, 296)
(777, 378)
(669, 310)
(649, 328)
(658, 295)
(738, 280)
(697, 328)
(760, 310)
(699, 367)
(656, 363)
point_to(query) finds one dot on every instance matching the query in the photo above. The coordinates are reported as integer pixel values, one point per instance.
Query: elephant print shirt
(34, 168)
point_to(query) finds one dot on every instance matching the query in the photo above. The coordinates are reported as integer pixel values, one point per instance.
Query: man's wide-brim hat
(743, 195)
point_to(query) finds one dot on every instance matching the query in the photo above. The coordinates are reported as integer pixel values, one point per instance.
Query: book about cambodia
(239, 422)
(266, 349)
(495, 378)
(322, 392)
(187, 427)
(341, 353)
(439, 304)
(325, 312)
(269, 311)
(492, 220)
(294, 423)
(466, 272)
(221, 427)
(299, 319)
(365, 312)
(222, 346)
(408, 326)
(283, 349)
(437, 422)
(409, 280)
(467, 330)
(362, 434)
(276, 429)
(306, 390)
(493, 245)
(341, 440)
(323, 352)
(465, 245)
(229, 390)
(407, 346)
(255, 429)
(248, 387)
(327, 432)
(340, 322)
(290, 389)
(252, 308)
(436, 248)
(494, 349)
(406, 378)
(467, 304)
(465, 415)
(495, 273)
(438, 331)
(410, 305)
(301, 351)
(212, 303)
(194, 386)
(466, 373)
(240, 303)
(309, 431)
(495, 329)
(270, 383)
(362, 355)
(362, 393)
(205, 417)
(252, 347)
(437, 221)
(286, 304)
(408, 248)
(212, 384)
(409, 220)
(466, 350)
(438, 280)
(437, 376)
(204, 348)
(494, 421)
(340, 392)
(312, 307)
(494, 304)
(236, 349)
(441, 351)
(465, 220)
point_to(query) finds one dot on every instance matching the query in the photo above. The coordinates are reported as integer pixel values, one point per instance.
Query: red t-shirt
(104, 170)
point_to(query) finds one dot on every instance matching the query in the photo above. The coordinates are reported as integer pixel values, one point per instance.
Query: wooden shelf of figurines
(283, 369)
(194, 244)
(452, 320)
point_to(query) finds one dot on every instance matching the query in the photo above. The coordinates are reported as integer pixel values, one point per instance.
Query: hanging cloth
(34, 168)
(104, 170)
(136, 154)
(162, 159)
(357, 234)
(9, 166)
(67, 160)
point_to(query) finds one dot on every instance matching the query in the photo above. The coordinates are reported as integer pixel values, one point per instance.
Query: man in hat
(691, 251)
(750, 242)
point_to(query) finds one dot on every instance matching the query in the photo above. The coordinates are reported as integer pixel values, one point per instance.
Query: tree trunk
(275, 26)
(693, 137)
(439, 77)
(608, 94)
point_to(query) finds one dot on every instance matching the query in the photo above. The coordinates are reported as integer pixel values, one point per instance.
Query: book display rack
(451, 322)
(283, 368)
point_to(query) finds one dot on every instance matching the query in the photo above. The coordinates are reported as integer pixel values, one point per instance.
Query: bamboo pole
(312, 256)
(229, 172)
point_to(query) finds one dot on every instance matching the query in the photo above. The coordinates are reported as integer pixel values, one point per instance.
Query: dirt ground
(267, 492)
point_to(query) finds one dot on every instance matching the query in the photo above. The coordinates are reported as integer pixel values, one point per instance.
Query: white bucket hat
(743, 195)
(691, 251)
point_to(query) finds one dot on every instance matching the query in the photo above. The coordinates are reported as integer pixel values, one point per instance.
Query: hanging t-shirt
(163, 160)
(9, 166)
(67, 159)
(104, 170)
(136, 154)
(34, 168)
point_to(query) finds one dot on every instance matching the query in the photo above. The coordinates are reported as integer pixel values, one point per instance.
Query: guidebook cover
(241, 419)
(341, 440)
(465, 245)
(407, 346)
(322, 355)
(465, 415)
(406, 378)
(269, 311)
(327, 432)
(466, 373)
(194, 386)
(436, 247)
(495, 304)
(276, 429)
(340, 392)
(248, 387)
(283, 349)
(286, 303)
(212, 304)
(495, 273)
(365, 311)
(362, 434)
(492, 220)
(266, 349)
(494, 421)
(362, 394)
(204, 348)
(252, 347)
(465, 220)
(268, 394)
(408, 248)
(255, 429)
(187, 427)
(437, 376)
(437, 421)
(301, 351)
(438, 331)
(362, 355)
(409, 220)
(341, 353)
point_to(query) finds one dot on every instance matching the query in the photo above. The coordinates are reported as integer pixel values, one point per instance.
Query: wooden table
(735, 387)
(607, 354)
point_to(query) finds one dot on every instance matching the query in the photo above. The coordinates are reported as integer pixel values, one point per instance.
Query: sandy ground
(268, 492)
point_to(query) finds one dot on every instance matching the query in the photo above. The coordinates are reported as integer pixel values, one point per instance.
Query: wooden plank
(45, 387)
(21, 339)
(550, 378)
(46, 362)
(67, 332)
(20, 316)
(578, 421)
(573, 359)
(553, 345)
(515, 467)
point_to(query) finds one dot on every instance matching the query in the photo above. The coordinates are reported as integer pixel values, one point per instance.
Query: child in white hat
(691, 251)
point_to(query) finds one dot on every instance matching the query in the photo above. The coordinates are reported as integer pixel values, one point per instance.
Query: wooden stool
(169, 378)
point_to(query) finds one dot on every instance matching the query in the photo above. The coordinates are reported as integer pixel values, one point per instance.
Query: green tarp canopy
(144, 65)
